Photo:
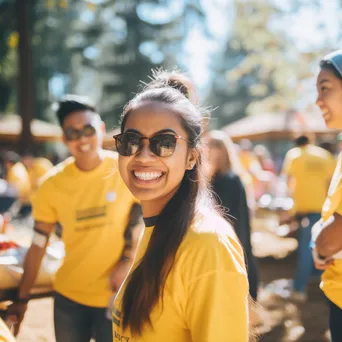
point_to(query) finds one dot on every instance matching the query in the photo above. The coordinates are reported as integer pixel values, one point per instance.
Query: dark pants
(253, 278)
(335, 322)
(79, 323)
(305, 264)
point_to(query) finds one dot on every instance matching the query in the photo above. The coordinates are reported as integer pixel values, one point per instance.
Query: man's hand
(15, 315)
(329, 241)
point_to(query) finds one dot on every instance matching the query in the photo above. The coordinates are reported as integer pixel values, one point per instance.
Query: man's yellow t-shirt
(332, 277)
(206, 291)
(93, 209)
(310, 168)
(18, 177)
(39, 168)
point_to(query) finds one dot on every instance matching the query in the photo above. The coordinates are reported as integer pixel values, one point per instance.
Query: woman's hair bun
(174, 79)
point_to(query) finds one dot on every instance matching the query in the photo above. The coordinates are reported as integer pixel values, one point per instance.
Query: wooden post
(25, 73)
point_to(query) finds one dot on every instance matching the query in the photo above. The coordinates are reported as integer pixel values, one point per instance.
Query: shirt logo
(111, 196)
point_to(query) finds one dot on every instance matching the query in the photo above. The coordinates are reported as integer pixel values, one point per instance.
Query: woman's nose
(145, 153)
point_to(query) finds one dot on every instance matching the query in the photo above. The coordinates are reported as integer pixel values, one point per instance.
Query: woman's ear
(192, 159)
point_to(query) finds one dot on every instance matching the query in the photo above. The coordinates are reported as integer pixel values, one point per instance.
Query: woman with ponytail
(188, 281)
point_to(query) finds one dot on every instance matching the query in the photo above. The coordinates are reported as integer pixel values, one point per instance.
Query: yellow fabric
(18, 177)
(93, 209)
(38, 170)
(310, 169)
(332, 277)
(5, 334)
(206, 292)
(251, 164)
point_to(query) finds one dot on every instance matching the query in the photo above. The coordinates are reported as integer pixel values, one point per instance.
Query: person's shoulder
(230, 175)
(18, 167)
(319, 152)
(42, 162)
(210, 245)
(210, 229)
(58, 171)
(110, 155)
(294, 153)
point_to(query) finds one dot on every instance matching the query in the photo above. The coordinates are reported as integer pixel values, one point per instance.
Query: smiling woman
(327, 253)
(188, 281)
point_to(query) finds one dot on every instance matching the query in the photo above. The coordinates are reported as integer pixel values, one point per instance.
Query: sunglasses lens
(128, 144)
(71, 134)
(163, 145)
(89, 131)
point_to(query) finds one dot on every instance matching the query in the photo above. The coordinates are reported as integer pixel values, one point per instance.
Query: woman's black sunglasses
(75, 134)
(162, 145)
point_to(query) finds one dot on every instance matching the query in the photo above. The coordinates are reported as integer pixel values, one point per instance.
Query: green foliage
(261, 67)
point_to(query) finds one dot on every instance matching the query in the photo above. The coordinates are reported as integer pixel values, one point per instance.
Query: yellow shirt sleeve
(288, 166)
(42, 208)
(217, 309)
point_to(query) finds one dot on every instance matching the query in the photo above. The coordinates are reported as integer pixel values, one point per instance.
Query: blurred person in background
(87, 196)
(328, 232)
(261, 178)
(264, 157)
(36, 167)
(308, 170)
(224, 173)
(17, 177)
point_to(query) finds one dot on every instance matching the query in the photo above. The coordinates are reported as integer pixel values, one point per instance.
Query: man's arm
(329, 241)
(32, 263)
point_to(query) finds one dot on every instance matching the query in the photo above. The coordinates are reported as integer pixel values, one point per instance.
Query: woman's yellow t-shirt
(332, 277)
(206, 292)
(93, 209)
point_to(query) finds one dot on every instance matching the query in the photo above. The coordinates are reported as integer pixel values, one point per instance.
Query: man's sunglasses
(75, 134)
(162, 145)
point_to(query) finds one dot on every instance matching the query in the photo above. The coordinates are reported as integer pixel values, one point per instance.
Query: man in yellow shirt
(87, 196)
(309, 170)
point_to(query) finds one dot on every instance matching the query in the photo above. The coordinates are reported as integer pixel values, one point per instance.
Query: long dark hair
(146, 283)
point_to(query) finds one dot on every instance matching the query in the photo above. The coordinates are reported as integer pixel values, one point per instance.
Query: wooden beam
(25, 73)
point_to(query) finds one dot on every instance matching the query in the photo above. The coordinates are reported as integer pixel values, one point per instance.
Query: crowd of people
(157, 234)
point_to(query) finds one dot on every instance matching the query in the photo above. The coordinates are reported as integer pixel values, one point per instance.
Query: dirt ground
(283, 320)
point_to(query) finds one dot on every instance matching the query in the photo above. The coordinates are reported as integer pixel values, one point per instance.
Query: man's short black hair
(302, 140)
(72, 103)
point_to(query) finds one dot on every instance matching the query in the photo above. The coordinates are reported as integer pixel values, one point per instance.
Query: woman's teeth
(85, 148)
(147, 175)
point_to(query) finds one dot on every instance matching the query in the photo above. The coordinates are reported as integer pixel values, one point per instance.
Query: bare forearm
(327, 249)
(329, 241)
(31, 268)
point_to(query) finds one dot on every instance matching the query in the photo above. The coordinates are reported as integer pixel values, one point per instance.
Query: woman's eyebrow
(323, 81)
(131, 130)
(166, 130)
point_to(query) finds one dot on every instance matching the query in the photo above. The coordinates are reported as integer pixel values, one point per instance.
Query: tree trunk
(25, 74)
